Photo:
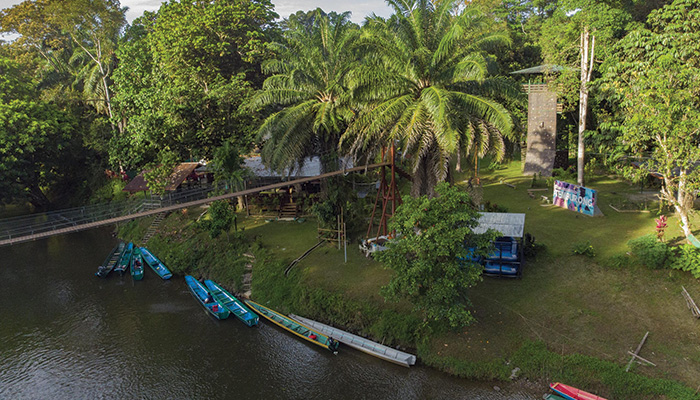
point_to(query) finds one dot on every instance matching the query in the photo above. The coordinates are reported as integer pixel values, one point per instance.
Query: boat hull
(136, 265)
(156, 265)
(360, 343)
(294, 327)
(572, 393)
(201, 293)
(111, 261)
(231, 303)
(125, 260)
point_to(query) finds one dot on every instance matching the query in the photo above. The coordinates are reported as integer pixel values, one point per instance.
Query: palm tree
(308, 88)
(427, 87)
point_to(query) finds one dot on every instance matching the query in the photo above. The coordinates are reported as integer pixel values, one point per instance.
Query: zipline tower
(388, 194)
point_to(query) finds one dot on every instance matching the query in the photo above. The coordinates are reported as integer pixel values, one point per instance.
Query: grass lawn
(573, 304)
(581, 305)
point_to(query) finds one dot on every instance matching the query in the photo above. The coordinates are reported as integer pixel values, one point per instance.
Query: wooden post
(636, 352)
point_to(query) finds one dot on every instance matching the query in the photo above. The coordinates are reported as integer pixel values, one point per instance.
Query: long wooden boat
(231, 303)
(125, 260)
(206, 299)
(156, 265)
(136, 264)
(571, 393)
(111, 261)
(296, 328)
(552, 397)
(360, 343)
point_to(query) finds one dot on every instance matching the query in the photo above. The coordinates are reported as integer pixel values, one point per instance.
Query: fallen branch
(636, 352)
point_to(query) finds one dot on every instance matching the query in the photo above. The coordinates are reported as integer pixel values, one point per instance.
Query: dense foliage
(431, 255)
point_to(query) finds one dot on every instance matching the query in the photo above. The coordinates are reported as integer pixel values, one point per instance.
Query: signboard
(575, 198)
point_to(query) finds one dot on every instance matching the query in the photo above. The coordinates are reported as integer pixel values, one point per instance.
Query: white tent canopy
(508, 224)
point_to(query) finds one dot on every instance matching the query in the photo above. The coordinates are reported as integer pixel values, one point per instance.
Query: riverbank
(569, 319)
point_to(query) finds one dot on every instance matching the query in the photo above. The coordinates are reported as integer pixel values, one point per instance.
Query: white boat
(359, 343)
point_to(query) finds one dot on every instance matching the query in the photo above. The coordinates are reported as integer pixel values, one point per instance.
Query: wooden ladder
(153, 228)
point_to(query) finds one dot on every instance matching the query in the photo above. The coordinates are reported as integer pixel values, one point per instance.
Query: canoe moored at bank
(295, 327)
(205, 298)
(572, 393)
(125, 260)
(360, 343)
(156, 265)
(231, 303)
(136, 264)
(111, 260)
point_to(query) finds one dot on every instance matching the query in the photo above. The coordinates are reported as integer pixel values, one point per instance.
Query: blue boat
(136, 265)
(156, 265)
(125, 259)
(235, 306)
(201, 293)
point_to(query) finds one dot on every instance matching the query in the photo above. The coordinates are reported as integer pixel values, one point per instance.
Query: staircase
(153, 228)
(288, 211)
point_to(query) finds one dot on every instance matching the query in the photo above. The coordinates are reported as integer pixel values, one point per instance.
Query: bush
(687, 258)
(531, 248)
(583, 249)
(561, 174)
(649, 251)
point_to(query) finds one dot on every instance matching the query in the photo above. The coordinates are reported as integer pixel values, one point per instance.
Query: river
(66, 334)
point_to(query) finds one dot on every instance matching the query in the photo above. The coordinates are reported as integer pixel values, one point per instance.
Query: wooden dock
(195, 203)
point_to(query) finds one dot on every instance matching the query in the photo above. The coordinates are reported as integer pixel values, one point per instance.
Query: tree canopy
(430, 256)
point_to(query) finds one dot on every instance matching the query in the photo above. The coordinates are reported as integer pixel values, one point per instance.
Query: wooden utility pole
(587, 58)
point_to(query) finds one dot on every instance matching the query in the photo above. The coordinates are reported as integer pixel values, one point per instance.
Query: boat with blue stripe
(156, 265)
(206, 299)
(136, 264)
(231, 303)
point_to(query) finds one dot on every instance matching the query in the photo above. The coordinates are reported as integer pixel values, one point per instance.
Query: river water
(66, 334)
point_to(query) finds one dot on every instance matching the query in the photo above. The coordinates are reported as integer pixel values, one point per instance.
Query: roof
(180, 173)
(540, 69)
(508, 224)
(311, 167)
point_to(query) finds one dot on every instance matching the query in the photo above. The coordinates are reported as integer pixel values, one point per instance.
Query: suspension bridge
(39, 226)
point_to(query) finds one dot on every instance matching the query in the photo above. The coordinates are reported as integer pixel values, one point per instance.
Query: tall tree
(184, 73)
(653, 77)
(577, 36)
(431, 261)
(94, 26)
(427, 84)
(36, 139)
(309, 85)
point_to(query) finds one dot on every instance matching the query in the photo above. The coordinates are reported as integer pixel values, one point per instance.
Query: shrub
(687, 259)
(649, 251)
(583, 249)
(531, 248)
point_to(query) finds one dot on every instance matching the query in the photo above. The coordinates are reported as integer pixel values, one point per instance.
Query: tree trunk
(37, 197)
(680, 198)
(586, 70)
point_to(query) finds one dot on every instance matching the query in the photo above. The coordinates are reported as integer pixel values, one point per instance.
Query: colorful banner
(574, 198)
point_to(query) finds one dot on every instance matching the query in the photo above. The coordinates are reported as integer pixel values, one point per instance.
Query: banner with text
(574, 198)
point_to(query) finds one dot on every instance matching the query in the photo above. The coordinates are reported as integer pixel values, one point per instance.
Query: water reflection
(66, 334)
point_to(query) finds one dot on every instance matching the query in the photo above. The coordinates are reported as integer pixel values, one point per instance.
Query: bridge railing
(53, 220)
